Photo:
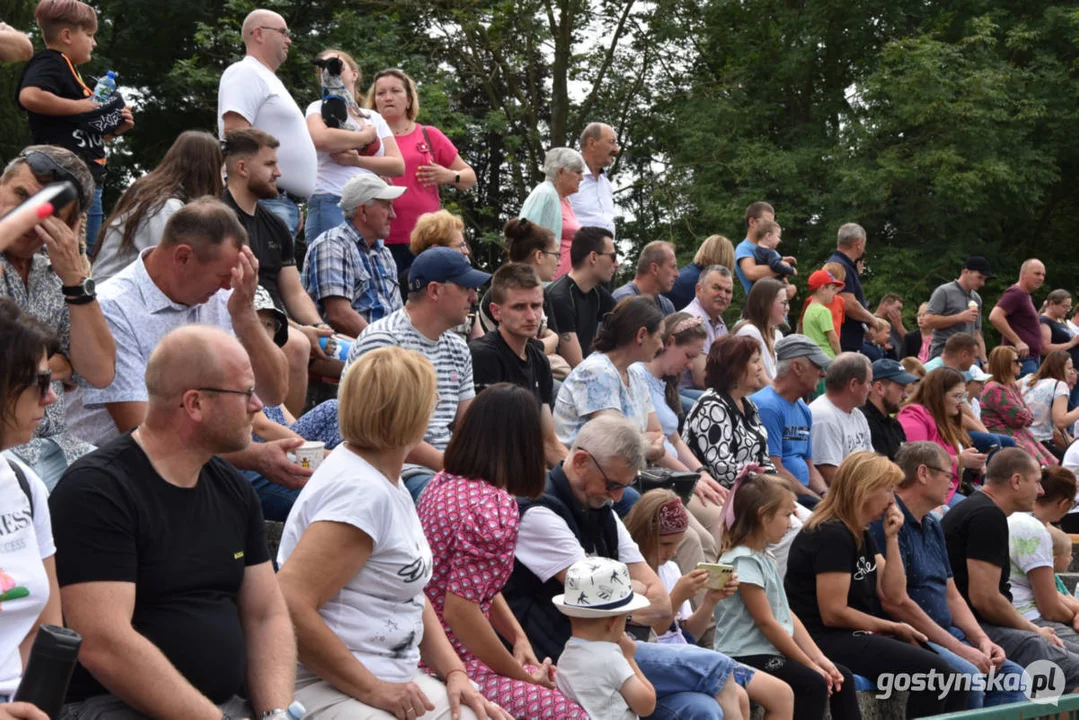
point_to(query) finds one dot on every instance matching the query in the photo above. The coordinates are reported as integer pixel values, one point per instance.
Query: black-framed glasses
(611, 485)
(613, 255)
(553, 253)
(284, 31)
(43, 166)
(946, 471)
(44, 383)
(246, 393)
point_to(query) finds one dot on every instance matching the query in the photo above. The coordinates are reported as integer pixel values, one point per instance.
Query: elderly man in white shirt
(593, 203)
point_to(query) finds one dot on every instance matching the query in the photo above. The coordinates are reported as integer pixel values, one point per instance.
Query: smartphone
(718, 574)
(59, 194)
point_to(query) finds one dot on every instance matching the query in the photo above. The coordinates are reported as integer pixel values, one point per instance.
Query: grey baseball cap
(797, 346)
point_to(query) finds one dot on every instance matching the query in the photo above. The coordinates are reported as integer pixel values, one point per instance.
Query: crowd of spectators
(469, 537)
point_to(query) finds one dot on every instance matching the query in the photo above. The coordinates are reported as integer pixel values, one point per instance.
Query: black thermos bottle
(48, 671)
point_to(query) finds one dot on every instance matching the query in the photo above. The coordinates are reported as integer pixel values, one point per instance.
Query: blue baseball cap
(887, 369)
(443, 264)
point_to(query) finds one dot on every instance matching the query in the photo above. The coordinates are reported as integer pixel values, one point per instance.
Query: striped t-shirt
(449, 354)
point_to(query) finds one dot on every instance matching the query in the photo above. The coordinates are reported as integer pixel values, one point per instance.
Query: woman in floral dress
(470, 518)
(1003, 407)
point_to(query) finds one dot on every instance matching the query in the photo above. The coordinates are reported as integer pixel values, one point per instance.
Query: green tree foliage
(945, 129)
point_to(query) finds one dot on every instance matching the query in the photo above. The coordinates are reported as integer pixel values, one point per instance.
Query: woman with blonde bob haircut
(836, 576)
(354, 562)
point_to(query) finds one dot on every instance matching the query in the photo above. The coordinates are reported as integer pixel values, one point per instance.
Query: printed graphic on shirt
(864, 567)
(10, 590)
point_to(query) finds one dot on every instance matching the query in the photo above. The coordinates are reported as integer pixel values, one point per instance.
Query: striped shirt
(341, 263)
(449, 354)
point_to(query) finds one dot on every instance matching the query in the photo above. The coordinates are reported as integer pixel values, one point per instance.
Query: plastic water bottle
(105, 87)
(296, 710)
(335, 347)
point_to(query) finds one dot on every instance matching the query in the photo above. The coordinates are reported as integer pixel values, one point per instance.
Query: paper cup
(310, 454)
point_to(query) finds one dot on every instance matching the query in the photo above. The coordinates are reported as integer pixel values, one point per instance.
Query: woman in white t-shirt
(365, 144)
(766, 309)
(29, 595)
(1046, 394)
(354, 562)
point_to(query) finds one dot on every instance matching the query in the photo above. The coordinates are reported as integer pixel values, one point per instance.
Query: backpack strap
(24, 483)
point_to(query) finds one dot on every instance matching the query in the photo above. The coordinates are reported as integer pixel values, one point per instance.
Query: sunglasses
(44, 383)
(43, 166)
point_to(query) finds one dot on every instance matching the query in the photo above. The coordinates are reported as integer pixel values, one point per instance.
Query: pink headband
(673, 517)
(747, 471)
(686, 323)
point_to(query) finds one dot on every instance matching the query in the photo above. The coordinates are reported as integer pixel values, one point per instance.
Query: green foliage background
(945, 129)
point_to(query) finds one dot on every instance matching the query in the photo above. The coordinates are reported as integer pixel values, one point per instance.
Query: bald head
(1031, 274)
(256, 18)
(190, 357)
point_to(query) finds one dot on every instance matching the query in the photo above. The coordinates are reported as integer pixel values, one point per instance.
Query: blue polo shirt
(742, 251)
(925, 560)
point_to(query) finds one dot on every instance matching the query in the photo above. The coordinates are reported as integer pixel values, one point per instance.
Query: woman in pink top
(932, 413)
(430, 158)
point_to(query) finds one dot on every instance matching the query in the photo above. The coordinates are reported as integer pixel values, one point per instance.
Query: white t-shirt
(669, 574)
(111, 260)
(25, 541)
(332, 176)
(546, 545)
(767, 358)
(1029, 546)
(249, 89)
(592, 674)
(836, 434)
(1039, 397)
(378, 614)
(1071, 461)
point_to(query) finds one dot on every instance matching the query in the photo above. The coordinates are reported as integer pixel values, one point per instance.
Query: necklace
(408, 129)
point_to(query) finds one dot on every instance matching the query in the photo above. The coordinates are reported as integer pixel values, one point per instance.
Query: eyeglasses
(946, 471)
(960, 397)
(613, 255)
(43, 166)
(44, 383)
(551, 253)
(284, 31)
(611, 485)
(246, 393)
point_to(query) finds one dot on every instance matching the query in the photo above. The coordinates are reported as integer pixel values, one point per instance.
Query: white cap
(364, 188)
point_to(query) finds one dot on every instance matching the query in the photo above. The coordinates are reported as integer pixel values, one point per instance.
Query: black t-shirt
(825, 549)
(493, 361)
(977, 529)
(886, 432)
(490, 324)
(185, 549)
(51, 71)
(271, 242)
(575, 311)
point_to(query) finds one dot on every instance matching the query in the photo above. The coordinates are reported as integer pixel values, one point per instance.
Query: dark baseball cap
(443, 264)
(979, 264)
(891, 370)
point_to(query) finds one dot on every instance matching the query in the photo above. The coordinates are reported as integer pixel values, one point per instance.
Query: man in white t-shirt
(573, 520)
(839, 427)
(251, 95)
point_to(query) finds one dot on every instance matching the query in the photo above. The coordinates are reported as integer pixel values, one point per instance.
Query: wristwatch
(80, 294)
(275, 714)
(457, 179)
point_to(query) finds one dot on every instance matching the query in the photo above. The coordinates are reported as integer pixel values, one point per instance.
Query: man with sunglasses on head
(578, 299)
(44, 272)
(251, 95)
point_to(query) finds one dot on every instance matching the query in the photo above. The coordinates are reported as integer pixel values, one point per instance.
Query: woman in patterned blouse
(470, 518)
(723, 429)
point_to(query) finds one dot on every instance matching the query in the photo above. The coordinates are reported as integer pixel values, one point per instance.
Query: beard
(264, 191)
(890, 406)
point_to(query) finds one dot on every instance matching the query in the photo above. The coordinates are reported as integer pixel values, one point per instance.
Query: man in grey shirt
(956, 307)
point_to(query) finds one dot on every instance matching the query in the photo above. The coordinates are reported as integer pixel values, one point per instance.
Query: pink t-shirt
(570, 226)
(419, 199)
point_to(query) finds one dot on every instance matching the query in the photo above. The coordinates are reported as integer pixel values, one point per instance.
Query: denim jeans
(323, 213)
(630, 496)
(417, 482)
(689, 397)
(285, 209)
(981, 698)
(686, 678)
(982, 441)
(276, 500)
(95, 215)
(1029, 365)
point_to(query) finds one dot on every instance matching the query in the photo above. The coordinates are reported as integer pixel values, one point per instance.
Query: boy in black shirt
(511, 353)
(57, 100)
